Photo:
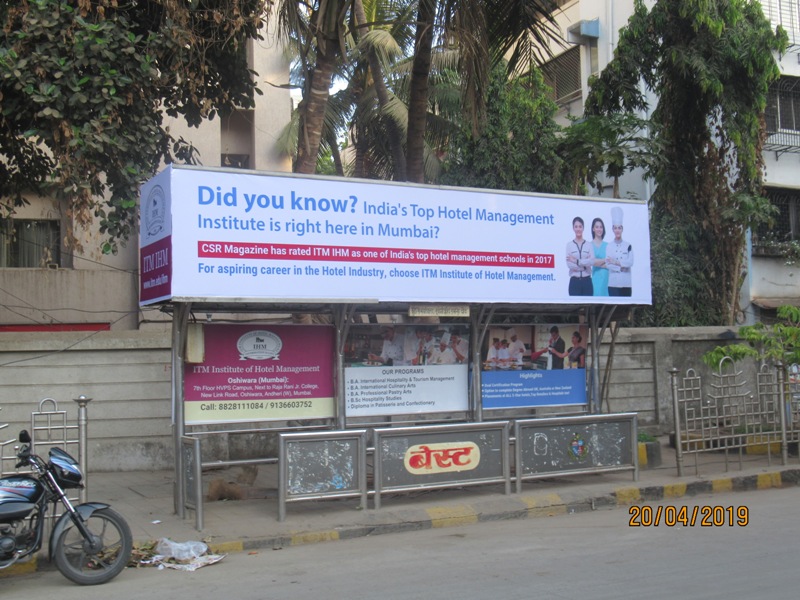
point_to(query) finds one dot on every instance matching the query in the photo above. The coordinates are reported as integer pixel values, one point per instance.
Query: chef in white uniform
(619, 258)
(515, 347)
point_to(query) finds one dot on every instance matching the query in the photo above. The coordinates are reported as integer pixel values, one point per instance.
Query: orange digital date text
(688, 516)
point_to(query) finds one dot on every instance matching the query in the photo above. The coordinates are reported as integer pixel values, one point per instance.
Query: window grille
(563, 75)
(786, 226)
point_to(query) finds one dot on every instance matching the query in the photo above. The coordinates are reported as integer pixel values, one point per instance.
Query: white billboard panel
(253, 236)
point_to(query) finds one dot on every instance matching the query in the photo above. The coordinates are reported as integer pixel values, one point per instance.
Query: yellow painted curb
(768, 480)
(548, 505)
(722, 485)
(627, 495)
(314, 537)
(451, 516)
(226, 547)
(675, 490)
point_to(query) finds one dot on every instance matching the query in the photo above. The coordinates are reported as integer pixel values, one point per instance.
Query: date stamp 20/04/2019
(689, 516)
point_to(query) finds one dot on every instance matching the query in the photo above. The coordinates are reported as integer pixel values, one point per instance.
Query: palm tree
(375, 43)
(317, 30)
(482, 32)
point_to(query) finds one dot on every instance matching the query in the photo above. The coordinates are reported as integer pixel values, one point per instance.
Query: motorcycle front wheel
(95, 561)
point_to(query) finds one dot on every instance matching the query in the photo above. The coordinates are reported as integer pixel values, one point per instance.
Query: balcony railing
(785, 13)
(782, 116)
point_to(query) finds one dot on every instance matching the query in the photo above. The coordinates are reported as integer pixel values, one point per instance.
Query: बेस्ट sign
(261, 373)
(240, 236)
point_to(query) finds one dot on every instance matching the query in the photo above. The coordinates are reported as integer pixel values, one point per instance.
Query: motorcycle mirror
(24, 436)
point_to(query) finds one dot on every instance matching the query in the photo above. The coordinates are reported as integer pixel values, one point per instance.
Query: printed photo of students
(392, 349)
(580, 260)
(493, 354)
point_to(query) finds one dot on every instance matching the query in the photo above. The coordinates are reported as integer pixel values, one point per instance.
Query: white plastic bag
(182, 551)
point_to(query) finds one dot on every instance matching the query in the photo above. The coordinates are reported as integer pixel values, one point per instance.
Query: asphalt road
(748, 549)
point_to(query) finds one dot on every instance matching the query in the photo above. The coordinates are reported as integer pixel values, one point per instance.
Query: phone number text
(271, 405)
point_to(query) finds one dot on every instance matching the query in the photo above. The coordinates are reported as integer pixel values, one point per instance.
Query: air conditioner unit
(583, 31)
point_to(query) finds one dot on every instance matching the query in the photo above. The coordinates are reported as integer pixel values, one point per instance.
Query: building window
(773, 241)
(563, 75)
(782, 116)
(785, 13)
(783, 105)
(27, 243)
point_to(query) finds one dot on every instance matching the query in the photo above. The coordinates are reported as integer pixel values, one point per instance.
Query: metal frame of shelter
(599, 318)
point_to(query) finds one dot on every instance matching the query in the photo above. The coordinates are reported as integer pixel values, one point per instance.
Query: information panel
(261, 373)
(533, 365)
(568, 445)
(406, 369)
(244, 236)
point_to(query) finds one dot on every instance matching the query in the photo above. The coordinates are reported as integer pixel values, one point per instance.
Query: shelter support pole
(180, 319)
(480, 318)
(595, 338)
(599, 323)
(342, 318)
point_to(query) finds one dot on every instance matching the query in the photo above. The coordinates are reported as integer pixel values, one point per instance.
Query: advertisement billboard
(261, 373)
(246, 236)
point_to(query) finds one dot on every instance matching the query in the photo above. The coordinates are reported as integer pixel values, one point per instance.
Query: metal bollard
(83, 421)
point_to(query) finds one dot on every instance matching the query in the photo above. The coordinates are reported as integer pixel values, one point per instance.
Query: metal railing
(50, 427)
(730, 419)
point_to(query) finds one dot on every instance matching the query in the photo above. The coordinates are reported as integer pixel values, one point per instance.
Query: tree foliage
(84, 85)
(709, 64)
(767, 343)
(516, 149)
(612, 144)
(396, 95)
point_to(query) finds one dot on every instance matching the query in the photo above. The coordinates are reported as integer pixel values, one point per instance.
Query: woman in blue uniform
(599, 269)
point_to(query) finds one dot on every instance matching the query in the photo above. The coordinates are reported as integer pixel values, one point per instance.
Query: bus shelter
(428, 303)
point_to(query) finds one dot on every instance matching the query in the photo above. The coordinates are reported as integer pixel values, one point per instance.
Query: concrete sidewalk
(145, 499)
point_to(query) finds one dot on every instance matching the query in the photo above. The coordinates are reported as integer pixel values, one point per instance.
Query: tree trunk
(312, 117)
(418, 92)
(381, 91)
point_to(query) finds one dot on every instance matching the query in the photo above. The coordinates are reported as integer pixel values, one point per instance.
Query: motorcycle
(90, 543)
